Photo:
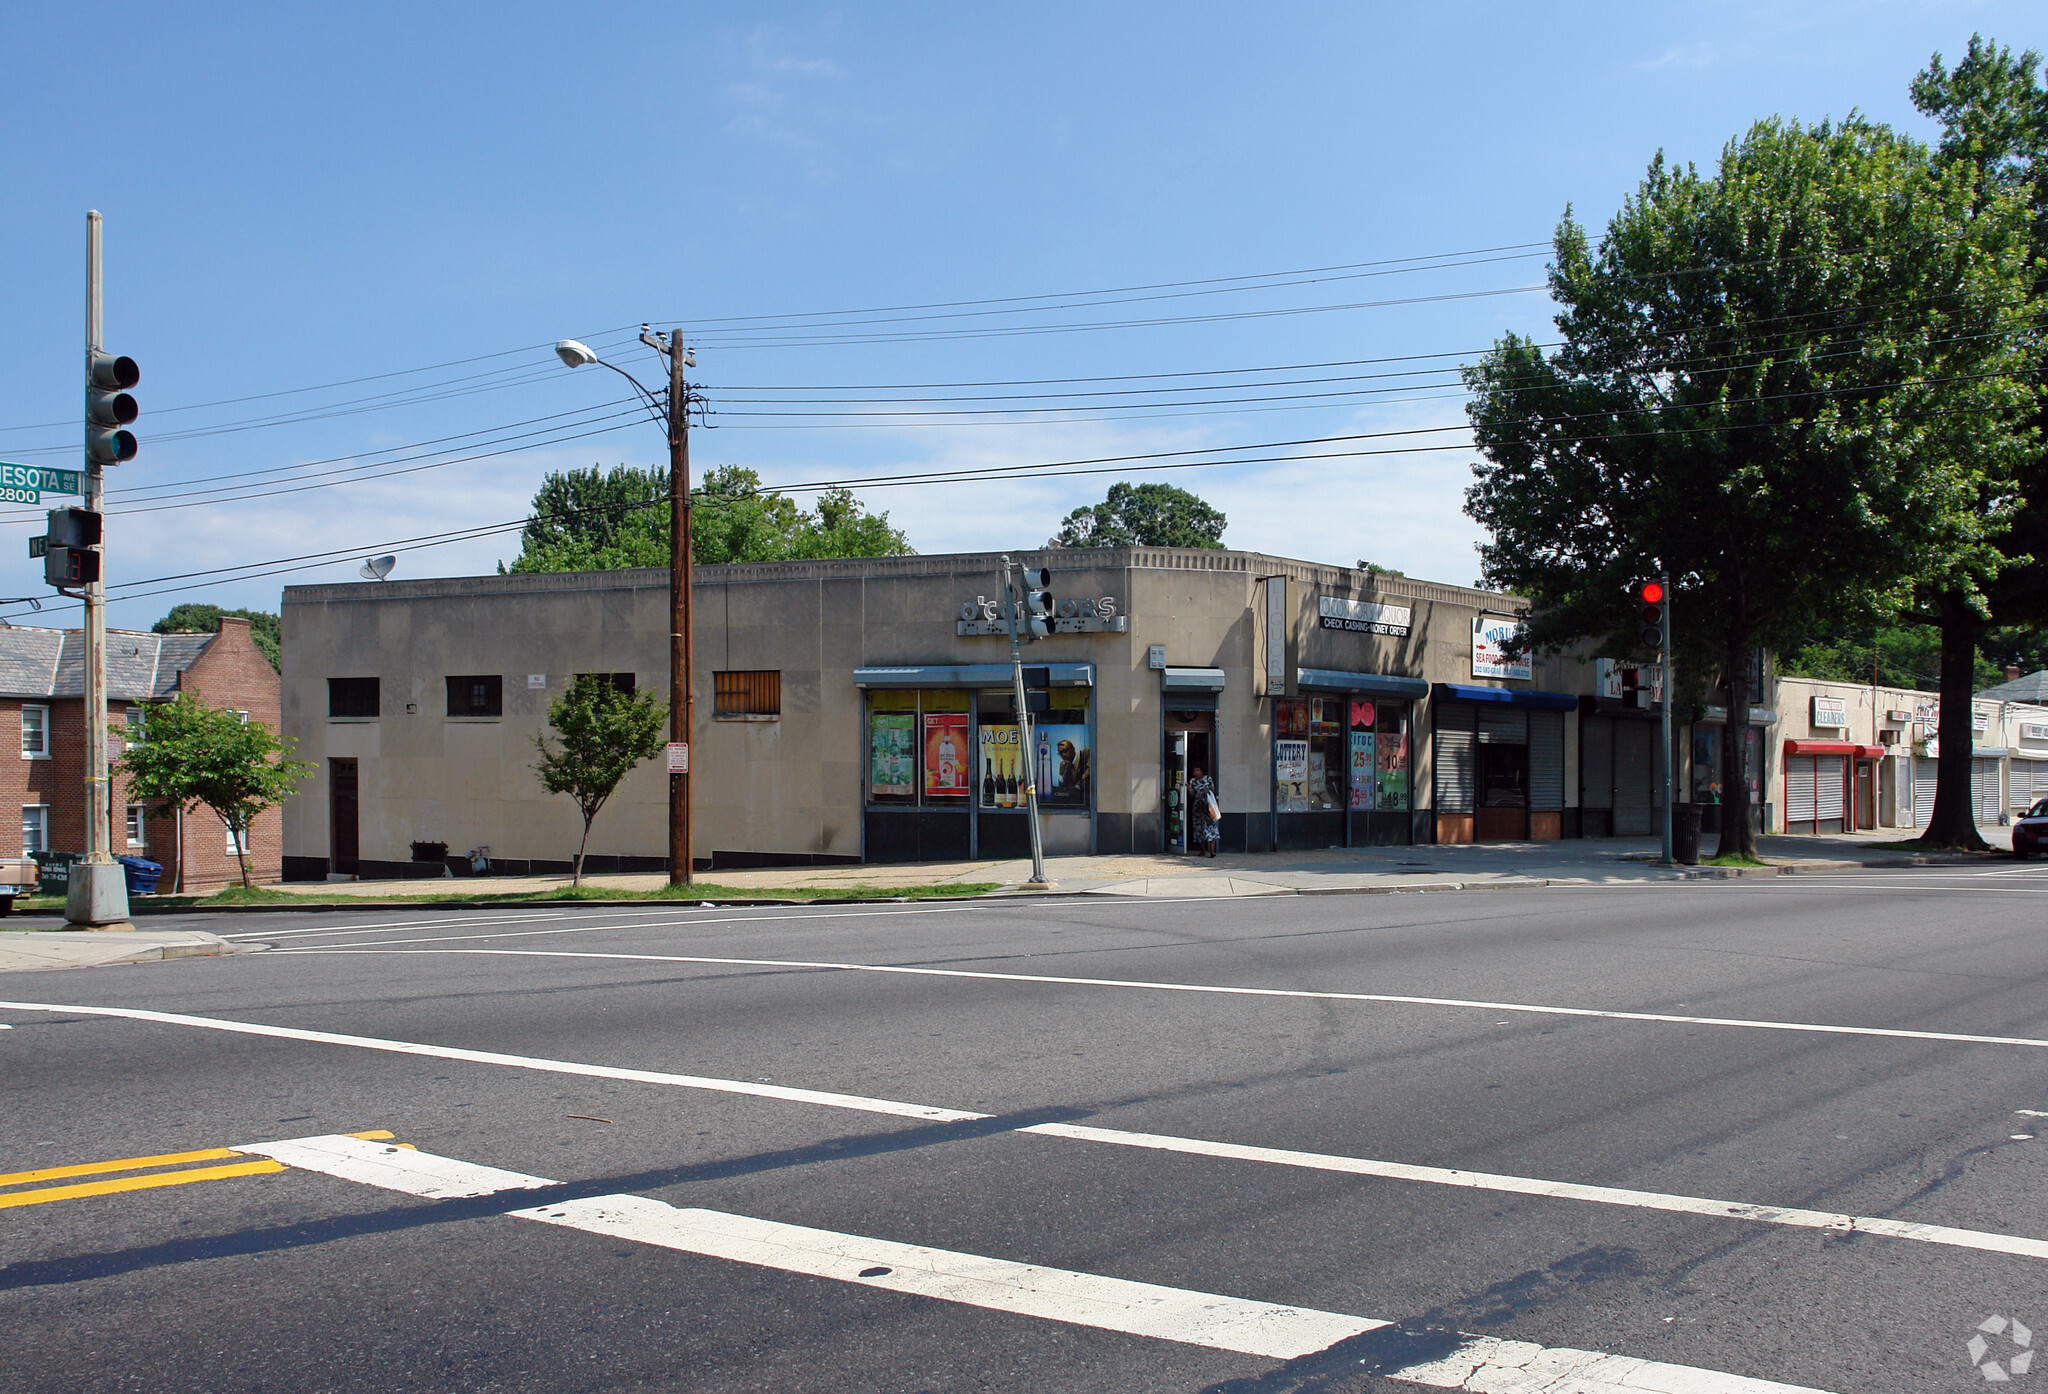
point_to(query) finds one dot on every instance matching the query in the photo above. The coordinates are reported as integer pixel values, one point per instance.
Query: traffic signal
(1656, 616)
(108, 408)
(1038, 602)
(67, 549)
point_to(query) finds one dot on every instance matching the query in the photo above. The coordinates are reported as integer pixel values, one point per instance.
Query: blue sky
(301, 196)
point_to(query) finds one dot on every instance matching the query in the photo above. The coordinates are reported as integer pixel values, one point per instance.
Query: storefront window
(1390, 755)
(1060, 761)
(1311, 754)
(1706, 763)
(919, 749)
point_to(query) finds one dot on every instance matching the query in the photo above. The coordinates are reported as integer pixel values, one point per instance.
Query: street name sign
(28, 483)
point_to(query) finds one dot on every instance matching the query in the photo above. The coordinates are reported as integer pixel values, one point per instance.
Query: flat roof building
(861, 710)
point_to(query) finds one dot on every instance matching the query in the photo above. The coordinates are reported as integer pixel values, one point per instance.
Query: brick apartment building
(42, 700)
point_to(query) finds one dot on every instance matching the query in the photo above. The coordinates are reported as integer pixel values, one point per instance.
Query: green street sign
(28, 483)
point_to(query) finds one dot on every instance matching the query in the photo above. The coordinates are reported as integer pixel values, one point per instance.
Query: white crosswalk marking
(1480, 1363)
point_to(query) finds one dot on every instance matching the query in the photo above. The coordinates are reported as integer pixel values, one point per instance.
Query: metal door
(1546, 760)
(1635, 768)
(343, 835)
(1830, 775)
(1174, 783)
(1984, 792)
(1596, 762)
(1802, 778)
(1923, 790)
(1457, 776)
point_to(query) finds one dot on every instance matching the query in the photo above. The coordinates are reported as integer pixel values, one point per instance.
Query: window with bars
(35, 733)
(746, 694)
(35, 828)
(624, 683)
(136, 817)
(352, 697)
(481, 695)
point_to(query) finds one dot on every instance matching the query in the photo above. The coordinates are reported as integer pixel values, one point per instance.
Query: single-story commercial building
(861, 711)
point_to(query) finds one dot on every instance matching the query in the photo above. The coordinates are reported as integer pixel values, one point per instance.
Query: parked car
(2030, 833)
(18, 876)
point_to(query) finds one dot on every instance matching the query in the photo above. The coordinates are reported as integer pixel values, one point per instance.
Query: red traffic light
(1652, 593)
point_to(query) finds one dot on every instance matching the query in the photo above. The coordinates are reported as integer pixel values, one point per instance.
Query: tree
(604, 733)
(594, 520)
(197, 617)
(191, 754)
(1994, 116)
(1789, 385)
(1143, 515)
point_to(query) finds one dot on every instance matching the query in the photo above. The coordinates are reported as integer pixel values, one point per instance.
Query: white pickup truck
(18, 876)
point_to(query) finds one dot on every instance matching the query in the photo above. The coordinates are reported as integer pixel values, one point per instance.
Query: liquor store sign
(28, 483)
(1364, 616)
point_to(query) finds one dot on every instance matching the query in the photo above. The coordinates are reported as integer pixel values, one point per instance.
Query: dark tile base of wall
(739, 861)
(305, 868)
(915, 835)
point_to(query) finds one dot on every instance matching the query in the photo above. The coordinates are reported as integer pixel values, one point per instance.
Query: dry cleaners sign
(1365, 617)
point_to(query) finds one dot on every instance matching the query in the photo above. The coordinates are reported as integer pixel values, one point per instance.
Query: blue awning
(1381, 684)
(1541, 701)
(968, 675)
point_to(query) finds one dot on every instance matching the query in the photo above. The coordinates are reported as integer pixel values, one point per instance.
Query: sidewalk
(1587, 861)
(101, 948)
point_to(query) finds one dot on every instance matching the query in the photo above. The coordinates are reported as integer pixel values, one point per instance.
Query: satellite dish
(377, 568)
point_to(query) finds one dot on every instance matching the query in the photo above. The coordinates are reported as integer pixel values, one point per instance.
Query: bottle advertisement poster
(947, 767)
(1002, 767)
(1363, 773)
(1059, 754)
(892, 762)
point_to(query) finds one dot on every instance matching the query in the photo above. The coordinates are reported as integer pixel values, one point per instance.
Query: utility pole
(1014, 609)
(96, 894)
(1670, 755)
(681, 656)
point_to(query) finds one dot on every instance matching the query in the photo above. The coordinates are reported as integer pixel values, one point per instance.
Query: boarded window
(747, 694)
(481, 695)
(352, 697)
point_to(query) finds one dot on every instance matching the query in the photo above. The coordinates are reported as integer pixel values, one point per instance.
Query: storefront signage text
(1365, 616)
(2033, 731)
(984, 616)
(1490, 638)
(1930, 717)
(1611, 679)
(1830, 713)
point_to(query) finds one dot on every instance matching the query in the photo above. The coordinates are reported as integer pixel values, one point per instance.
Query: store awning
(1379, 684)
(968, 675)
(1541, 701)
(1861, 752)
(1191, 680)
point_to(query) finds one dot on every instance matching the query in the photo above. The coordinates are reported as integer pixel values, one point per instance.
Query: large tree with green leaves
(598, 520)
(1791, 385)
(197, 617)
(604, 732)
(1143, 515)
(1994, 114)
(190, 755)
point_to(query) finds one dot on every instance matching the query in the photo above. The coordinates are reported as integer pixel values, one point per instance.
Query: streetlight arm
(575, 355)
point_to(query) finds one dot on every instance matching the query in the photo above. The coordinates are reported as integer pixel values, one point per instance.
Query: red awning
(1861, 752)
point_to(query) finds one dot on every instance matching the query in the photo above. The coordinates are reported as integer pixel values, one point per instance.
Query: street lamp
(672, 413)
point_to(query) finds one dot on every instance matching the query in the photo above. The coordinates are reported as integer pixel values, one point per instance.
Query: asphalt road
(1609, 1128)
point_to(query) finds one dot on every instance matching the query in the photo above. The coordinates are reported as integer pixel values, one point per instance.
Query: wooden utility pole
(681, 658)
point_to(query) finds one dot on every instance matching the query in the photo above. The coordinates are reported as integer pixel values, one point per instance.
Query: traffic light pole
(1014, 607)
(1670, 756)
(96, 894)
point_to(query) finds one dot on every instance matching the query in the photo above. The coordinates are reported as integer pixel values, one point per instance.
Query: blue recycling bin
(140, 874)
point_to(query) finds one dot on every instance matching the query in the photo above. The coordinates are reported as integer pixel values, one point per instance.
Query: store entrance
(1189, 744)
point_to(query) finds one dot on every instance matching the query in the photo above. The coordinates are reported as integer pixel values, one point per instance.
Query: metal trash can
(55, 869)
(1685, 834)
(140, 874)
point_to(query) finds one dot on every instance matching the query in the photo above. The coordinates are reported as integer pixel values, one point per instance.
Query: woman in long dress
(1203, 834)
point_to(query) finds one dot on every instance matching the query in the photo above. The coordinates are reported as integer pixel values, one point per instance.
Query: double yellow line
(187, 1174)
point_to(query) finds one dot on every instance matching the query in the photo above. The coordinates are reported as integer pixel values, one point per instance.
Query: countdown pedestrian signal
(1656, 616)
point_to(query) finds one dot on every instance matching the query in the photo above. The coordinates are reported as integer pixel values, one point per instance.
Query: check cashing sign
(28, 483)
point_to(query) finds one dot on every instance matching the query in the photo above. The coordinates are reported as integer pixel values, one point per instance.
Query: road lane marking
(1534, 1186)
(43, 1195)
(168, 1159)
(1888, 1032)
(854, 1102)
(645, 924)
(1075, 1298)
(394, 1167)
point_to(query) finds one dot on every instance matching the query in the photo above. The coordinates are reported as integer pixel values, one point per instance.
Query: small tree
(604, 734)
(192, 754)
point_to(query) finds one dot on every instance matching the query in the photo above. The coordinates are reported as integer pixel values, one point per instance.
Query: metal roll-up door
(1923, 790)
(1546, 760)
(1634, 771)
(1829, 773)
(1457, 776)
(2040, 778)
(1984, 792)
(1503, 726)
(1802, 778)
(2020, 783)
(1596, 762)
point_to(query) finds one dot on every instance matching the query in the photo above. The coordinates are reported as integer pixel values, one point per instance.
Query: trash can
(55, 869)
(140, 874)
(1685, 834)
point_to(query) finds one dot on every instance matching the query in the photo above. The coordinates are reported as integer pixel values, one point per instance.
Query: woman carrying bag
(1203, 815)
